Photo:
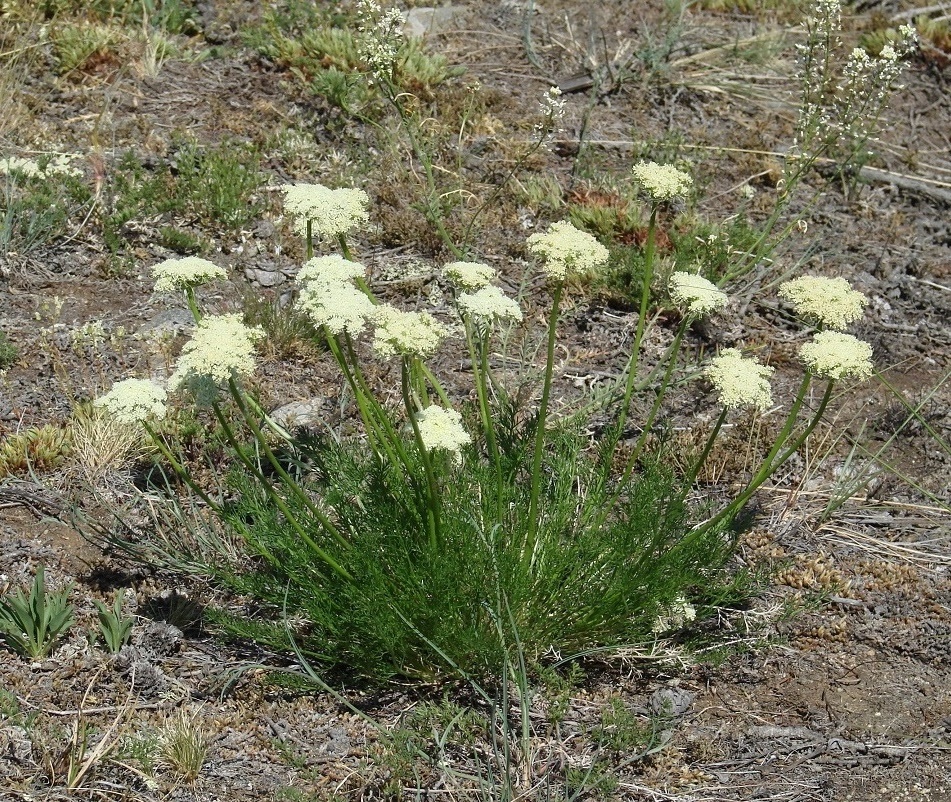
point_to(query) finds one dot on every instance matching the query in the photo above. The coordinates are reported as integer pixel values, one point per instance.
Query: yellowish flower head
(221, 348)
(57, 165)
(329, 270)
(405, 333)
(184, 273)
(565, 248)
(837, 356)
(331, 212)
(134, 401)
(489, 304)
(441, 429)
(740, 381)
(340, 307)
(663, 182)
(695, 294)
(468, 276)
(831, 302)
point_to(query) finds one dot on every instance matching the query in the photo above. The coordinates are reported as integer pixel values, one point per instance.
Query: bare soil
(846, 698)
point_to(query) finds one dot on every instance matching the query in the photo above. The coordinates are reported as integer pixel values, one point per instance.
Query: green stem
(528, 547)
(648, 277)
(771, 464)
(278, 501)
(344, 248)
(310, 240)
(192, 304)
(480, 369)
(708, 446)
(432, 503)
(286, 479)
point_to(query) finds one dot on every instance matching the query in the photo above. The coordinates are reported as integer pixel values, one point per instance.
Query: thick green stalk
(528, 547)
(192, 304)
(432, 502)
(310, 240)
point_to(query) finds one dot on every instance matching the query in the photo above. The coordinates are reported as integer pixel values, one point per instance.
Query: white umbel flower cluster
(566, 248)
(837, 356)
(741, 382)
(134, 401)
(405, 333)
(830, 302)
(663, 182)
(678, 613)
(221, 348)
(696, 294)
(340, 307)
(331, 212)
(441, 429)
(329, 270)
(185, 273)
(468, 276)
(489, 304)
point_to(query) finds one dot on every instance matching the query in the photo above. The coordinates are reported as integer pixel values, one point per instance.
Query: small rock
(15, 743)
(265, 278)
(426, 21)
(298, 413)
(170, 321)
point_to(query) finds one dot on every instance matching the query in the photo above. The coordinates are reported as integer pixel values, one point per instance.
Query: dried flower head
(489, 304)
(468, 276)
(405, 333)
(185, 273)
(566, 248)
(662, 182)
(331, 212)
(134, 401)
(695, 294)
(221, 348)
(339, 307)
(675, 615)
(329, 270)
(837, 356)
(441, 429)
(740, 381)
(831, 302)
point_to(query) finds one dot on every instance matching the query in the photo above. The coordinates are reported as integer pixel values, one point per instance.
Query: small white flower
(134, 400)
(740, 382)
(662, 182)
(553, 104)
(675, 616)
(184, 273)
(697, 295)
(469, 276)
(566, 248)
(830, 302)
(221, 348)
(331, 212)
(339, 307)
(329, 270)
(441, 429)
(405, 333)
(836, 356)
(489, 304)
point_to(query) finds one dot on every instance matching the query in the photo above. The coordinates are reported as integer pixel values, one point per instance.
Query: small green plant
(114, 625)
(33, 624)
(42, 448)
(184, 744)
(42, 202)
(8, 352)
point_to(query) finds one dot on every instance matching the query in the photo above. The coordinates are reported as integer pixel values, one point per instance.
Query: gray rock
(298, 413)
(265, 278)
(426, 21)
(170, 321)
